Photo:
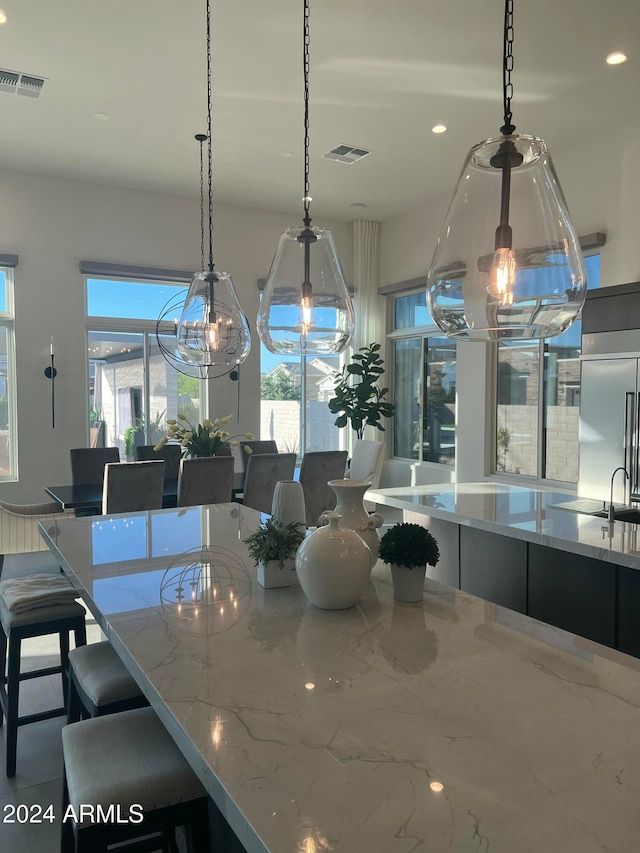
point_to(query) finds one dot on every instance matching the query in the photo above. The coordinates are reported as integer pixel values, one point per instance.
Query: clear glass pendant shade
(507, 263)
(212, 329)
(306, 308)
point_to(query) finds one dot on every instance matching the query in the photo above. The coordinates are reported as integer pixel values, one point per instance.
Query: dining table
(451, 724)
(88, 496)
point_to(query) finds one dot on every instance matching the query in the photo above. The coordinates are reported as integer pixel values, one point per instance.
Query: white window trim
(7, 321)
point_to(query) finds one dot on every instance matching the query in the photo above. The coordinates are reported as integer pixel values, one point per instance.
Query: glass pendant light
(306, 308)
(212, 330)
(508, 263)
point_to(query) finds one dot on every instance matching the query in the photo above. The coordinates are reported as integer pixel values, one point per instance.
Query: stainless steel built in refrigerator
(610, 394)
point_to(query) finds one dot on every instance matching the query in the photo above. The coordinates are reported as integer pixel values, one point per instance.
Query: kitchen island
(449, 725)
(519, 548)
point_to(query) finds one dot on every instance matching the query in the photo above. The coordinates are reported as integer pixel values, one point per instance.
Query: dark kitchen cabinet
(573, 592)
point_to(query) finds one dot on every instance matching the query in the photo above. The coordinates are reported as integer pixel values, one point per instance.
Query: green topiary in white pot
(408, 548)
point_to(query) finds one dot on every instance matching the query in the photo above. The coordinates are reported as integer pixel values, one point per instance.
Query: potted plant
(273, 548)
(358, 398)
(407, 548)
(133, 435)
(205, 439)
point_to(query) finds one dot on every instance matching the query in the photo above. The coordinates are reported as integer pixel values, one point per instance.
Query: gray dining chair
(132, 486)
(205, 480)
(169, 453)
(248, 448)
(316, 469)
(263, 471)
(87, 463)
(87, 468)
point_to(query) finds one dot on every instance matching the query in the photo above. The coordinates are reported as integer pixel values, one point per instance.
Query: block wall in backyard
(562, 441)
(280, 421)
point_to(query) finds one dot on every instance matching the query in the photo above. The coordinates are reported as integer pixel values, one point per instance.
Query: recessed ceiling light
(286, 154)
(3, 17)
(438, 128)
(358, 205)
(616, 58)
(101, 116)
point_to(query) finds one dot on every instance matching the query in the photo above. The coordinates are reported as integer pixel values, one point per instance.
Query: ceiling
(382, 74)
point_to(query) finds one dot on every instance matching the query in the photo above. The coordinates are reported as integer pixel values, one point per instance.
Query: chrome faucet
(610, 516)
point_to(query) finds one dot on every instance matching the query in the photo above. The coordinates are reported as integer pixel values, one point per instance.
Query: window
(424, 385)
(287, 381)
(538, 402)
(439, 424)
(132, 388)
(8, 429)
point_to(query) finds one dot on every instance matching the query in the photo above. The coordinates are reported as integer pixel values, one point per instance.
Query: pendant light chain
(305, 65)
(201, 137)
(210, 165)
(508, 128)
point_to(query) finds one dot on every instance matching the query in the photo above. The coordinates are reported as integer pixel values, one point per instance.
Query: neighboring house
(320, 383)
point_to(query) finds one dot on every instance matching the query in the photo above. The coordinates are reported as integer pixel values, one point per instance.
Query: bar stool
(58, 619)
(123, 760)
(99, 683)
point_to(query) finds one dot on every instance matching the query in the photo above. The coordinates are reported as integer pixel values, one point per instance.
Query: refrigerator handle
(630, 427)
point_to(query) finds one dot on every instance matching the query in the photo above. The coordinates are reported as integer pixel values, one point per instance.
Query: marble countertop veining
(521, 513)
(453, 725)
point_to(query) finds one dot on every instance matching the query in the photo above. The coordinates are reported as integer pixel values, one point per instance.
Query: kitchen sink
(623, 514)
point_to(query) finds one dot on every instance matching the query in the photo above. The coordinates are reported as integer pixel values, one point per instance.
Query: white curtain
(368, 306)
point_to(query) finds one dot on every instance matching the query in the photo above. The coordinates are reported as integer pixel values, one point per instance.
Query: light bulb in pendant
(307, 313)
(214, 336)
(212, 329)
(502, 277)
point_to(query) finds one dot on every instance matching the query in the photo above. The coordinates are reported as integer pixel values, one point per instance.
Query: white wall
(52, 224)
(600, 179)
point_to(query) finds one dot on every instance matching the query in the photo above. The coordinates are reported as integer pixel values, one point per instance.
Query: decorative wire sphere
(166, 329)
(208, 589)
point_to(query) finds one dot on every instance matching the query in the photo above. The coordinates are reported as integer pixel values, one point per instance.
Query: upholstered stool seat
(128, 759)
(58, 619)
(99, 683)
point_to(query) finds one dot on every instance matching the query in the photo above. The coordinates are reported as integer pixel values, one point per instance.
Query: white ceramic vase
(288, 502)
(333, 566)
(270, 575)
(350, 507)
(408, 584)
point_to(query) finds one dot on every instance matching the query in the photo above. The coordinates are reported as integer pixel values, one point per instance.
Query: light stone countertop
(453, 725)
(521, 513)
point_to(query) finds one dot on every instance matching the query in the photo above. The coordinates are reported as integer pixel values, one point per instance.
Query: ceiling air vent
(21, 84)
(346, 154)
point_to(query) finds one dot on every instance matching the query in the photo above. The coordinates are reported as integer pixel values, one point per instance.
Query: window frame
(541, 420)
(8, 322)
(421, 333)
(147, 328)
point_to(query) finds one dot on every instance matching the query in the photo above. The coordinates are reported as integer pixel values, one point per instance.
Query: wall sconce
(50, 372)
